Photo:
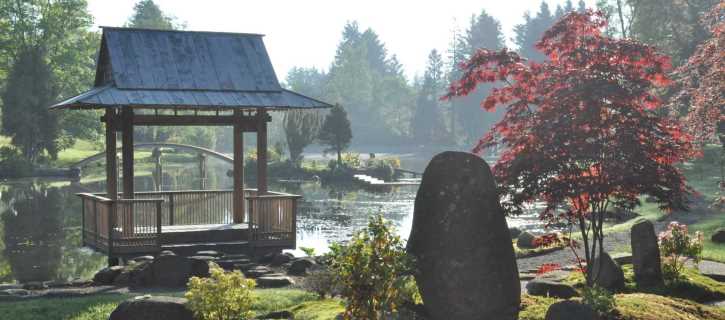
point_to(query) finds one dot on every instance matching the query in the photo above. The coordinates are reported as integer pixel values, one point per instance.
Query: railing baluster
(171, 209)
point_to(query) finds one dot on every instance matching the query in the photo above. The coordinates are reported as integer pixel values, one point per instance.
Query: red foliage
(579, 129)
(547, 267)
(700, 83)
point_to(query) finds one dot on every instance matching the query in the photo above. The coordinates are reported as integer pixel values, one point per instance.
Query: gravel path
(612, 242)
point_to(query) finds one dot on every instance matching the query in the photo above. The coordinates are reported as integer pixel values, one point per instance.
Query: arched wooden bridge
(148, 145)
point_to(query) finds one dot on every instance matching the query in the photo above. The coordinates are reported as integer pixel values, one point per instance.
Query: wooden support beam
(111, 165)
(127, 152)
(262, 152)
(249, 123)
(238, 194)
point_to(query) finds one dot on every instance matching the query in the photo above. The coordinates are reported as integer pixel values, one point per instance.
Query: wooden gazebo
(181, 78)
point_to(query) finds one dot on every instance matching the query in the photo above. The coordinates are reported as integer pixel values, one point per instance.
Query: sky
(305, 33)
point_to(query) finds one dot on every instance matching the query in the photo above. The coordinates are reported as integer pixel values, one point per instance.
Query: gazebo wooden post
(127, 140)
(127, 154)
(238, 193)
(111, 164)
(261, 151)
(111, 177)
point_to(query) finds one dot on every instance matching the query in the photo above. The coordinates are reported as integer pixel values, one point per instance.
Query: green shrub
(677, 246)
(13, 164)
(309, 251)
(368, 269)
(224, 295)
(601, 300)
(322, 282)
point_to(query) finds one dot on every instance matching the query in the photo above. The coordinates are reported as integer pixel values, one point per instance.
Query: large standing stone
(157, 308)
(646, 254)
(467, 267)
(607, 273)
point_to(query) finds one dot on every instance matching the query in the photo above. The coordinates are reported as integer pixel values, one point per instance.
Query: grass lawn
(633, 306)
(303, 304)
(693, 286)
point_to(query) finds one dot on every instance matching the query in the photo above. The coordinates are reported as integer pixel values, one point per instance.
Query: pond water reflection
(40, 219)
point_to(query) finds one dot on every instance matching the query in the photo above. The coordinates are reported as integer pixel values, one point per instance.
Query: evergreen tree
(530, 32)
(674, 26)
(301, 129)
(148, 15)
(29, 91)
(484, 31)
(336, 132)
(59, 32)
(427, 124)
(371, 85)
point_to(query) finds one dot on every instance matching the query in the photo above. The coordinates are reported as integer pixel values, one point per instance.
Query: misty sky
(306, 32)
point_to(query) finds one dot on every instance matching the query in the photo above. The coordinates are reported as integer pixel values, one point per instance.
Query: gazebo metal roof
(143, 68)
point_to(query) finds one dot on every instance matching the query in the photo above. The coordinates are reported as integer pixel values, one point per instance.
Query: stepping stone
(257, 272)
(274, 281)
(210, 253)
(204, 258)
(143, 258)
(245, 266)
(230, 263)
(714, 270)
(235, 256)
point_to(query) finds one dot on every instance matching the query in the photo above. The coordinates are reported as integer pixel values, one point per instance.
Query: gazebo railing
(273, 219)
(120, 226)
(134, 225)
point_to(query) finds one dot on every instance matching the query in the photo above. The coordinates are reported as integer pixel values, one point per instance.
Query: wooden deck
(188, 220)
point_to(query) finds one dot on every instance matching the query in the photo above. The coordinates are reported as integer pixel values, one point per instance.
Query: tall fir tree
(484, 31)
(530, 32)
(427, 125)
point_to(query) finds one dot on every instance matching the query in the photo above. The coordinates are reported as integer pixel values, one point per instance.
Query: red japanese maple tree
(700, 85)
(579, 130)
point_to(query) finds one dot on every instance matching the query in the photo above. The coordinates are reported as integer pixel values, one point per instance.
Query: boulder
(526, 240)
(107, 275)
(274, 281)
(157, 308)
(175, 271)
(551, 284)
(515, 232)
(607, 273)
(718, 236)
(281, 258)
(466, 262)
(299, 267)
(646, 254)
(570, 310)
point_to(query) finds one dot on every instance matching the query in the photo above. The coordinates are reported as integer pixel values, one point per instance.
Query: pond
(40, 219)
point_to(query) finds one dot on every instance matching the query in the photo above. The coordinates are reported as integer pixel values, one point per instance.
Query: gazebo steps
(227, 247)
